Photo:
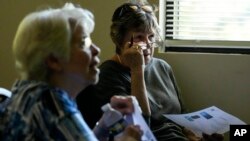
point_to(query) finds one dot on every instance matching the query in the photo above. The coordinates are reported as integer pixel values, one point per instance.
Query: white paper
(209, 120)
(137, 119)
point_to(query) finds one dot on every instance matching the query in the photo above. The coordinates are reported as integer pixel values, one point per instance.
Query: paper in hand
(137, 119)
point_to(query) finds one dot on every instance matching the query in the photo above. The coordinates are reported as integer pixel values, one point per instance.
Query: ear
(53, 63)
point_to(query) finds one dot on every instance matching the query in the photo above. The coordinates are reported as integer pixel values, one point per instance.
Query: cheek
(85, 60)
(82, 59)
(152, 51)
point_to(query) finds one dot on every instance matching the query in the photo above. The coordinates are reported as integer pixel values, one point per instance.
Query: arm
(133, 58)
(138, 89)
(172, 77)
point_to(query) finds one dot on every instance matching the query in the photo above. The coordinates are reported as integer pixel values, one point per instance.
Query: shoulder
(27, 93)
(36, 97)
(21, 110)
(113, 66)
(159, 64)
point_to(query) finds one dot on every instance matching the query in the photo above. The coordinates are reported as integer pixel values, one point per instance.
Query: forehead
(137, 31)
(80, 31)
(143, 27)
(81, 25)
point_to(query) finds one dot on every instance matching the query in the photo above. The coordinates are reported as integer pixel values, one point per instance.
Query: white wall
(12, 12)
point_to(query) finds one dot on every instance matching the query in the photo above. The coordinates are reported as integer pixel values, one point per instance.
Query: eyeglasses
(149, 45)
(153, 44)
(137, 8)
(144, 45)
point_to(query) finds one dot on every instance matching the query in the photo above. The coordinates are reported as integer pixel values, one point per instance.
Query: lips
(146, 53)
(94, 64)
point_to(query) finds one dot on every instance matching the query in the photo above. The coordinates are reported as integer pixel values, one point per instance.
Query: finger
(134, 130)
(128, 45)
(217, 136)
(213, 137)
(123, 104)
(140, 45)
(206, 136)
(137, 127)
(137, 47)
(121, 98)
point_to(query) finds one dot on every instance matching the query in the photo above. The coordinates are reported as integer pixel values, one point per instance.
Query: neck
(116, 58)
(67, 85)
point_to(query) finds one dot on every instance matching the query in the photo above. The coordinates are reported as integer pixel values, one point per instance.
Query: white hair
(44, 33)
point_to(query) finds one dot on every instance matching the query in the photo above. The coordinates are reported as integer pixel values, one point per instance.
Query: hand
(123, 104)
(205, 137)
(132, 56)
(213, 137)
(190, 135)
(131, 133)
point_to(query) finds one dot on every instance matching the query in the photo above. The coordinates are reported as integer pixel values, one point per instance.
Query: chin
(94, 76)
(94, 80)
(147, 59)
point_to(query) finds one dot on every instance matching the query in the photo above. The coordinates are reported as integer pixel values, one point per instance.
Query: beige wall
(204, 79)
(208, 79)
(12, 11)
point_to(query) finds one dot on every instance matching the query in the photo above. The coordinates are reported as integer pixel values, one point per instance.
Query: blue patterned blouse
(38, 111)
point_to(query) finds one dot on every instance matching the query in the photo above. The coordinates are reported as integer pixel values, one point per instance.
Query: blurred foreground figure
(56, 59)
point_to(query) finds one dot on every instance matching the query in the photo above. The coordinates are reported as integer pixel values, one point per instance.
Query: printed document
(209, 120)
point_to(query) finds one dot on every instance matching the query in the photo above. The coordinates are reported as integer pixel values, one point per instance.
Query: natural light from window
(227, 20)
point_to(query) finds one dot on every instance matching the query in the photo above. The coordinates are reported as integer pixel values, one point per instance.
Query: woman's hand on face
(132, 56)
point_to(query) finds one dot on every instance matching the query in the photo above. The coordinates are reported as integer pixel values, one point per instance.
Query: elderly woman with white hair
(56, 59)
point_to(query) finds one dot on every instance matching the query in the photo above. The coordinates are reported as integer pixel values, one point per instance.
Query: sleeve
(73, 127)
(171, 74)
(58, 117)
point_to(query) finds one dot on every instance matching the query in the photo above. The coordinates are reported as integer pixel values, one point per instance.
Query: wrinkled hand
(190, 135)
(205, 137)
(123, 104)
(132, 57)
(131, 133)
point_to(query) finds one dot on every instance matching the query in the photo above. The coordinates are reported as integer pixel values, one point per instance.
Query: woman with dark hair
(133, 70)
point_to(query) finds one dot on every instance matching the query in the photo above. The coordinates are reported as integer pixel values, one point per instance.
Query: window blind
(206, 23)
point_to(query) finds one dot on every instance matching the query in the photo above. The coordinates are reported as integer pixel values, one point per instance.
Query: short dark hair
(132, 16)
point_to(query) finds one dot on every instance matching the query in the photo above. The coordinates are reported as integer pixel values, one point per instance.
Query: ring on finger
(137, 47)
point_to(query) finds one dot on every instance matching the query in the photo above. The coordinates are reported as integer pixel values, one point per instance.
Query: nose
(147, 38)
(95, 49)
(148, 42)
